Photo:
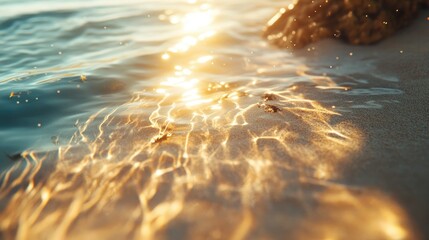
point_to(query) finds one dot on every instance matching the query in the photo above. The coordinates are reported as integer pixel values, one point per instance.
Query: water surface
(175, 119)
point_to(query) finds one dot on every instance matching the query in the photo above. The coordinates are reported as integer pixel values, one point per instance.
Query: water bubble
(39, 125)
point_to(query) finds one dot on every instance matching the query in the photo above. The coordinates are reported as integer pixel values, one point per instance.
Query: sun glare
(197, 20)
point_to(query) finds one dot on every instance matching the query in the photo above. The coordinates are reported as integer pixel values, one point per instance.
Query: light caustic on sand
(197, 157)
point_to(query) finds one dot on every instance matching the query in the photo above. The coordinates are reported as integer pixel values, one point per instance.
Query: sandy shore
(395, 155)
(332, 144)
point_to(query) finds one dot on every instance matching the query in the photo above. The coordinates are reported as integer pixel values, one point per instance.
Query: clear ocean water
(176, 119)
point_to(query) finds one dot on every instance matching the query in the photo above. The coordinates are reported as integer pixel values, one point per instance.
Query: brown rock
(354, 21)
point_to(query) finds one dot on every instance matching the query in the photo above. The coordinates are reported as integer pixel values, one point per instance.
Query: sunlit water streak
(219, 138)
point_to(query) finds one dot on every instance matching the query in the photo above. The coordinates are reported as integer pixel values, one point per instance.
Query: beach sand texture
(224, 136)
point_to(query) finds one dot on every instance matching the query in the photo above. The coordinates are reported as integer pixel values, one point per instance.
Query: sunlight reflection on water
(213, 146)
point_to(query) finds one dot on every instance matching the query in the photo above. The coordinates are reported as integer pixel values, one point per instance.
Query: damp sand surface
(176, 120)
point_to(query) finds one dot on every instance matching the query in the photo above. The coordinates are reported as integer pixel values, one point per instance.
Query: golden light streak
(199, 155)
(197, 20)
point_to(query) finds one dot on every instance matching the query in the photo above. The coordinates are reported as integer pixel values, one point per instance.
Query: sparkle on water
(191, 155)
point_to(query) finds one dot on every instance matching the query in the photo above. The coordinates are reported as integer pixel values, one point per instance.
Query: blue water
(47, 45)
(200, 68)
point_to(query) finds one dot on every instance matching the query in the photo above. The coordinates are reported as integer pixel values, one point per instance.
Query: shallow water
(175, 119)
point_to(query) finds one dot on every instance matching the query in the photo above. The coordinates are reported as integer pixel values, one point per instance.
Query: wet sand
(395, 155)
(330, 141)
